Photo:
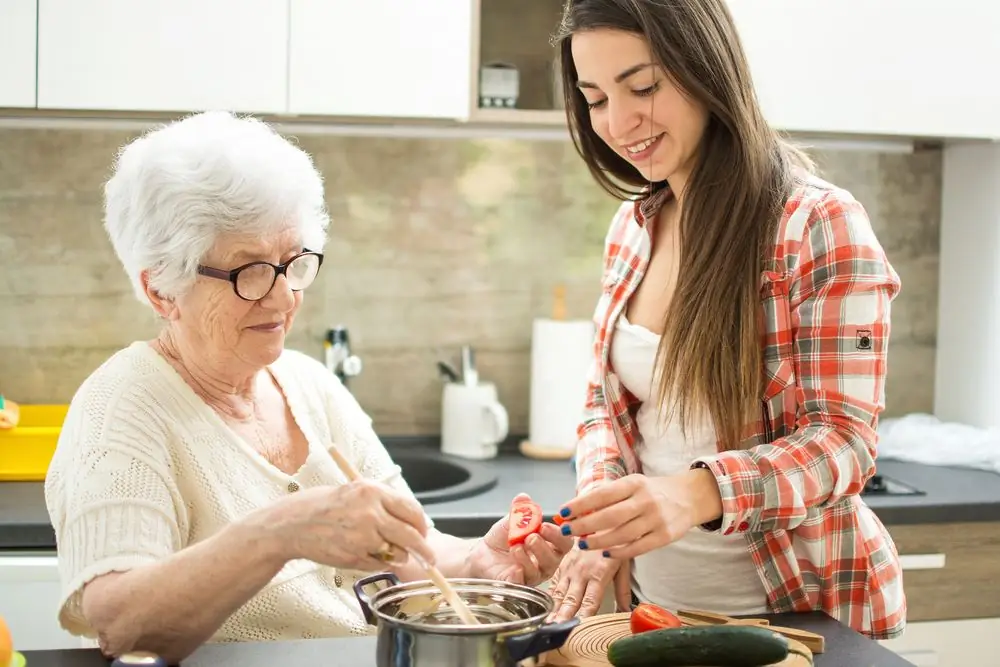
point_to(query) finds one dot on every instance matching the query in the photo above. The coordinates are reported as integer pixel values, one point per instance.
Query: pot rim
(378, 599)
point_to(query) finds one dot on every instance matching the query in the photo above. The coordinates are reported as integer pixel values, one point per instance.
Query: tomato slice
(525, 519)
(647, 617)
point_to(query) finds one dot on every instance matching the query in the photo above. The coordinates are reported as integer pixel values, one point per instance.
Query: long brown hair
(710, 357)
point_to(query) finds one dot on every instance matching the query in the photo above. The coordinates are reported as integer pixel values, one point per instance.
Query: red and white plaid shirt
(794, 489)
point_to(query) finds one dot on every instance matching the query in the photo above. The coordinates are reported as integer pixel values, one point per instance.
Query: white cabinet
(163, 55)
(17, 52)
(948, 643)
(895, 67)
(29, 602)
(389, 58)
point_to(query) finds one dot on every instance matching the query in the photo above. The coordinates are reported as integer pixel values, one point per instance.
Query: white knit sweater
(144, 468)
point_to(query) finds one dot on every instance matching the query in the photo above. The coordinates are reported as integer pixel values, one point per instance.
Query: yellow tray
(26, 450)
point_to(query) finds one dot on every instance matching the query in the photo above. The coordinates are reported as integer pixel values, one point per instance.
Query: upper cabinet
(163, 55)
(834, 67)
(17, 52)
(389, 58)
(893, 67)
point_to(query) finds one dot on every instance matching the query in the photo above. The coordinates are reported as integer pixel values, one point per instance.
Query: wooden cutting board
(587, 645)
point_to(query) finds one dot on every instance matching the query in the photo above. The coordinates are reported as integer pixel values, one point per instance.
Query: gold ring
(385, 553)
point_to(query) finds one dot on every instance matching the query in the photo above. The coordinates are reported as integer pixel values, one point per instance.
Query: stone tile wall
(436, 243)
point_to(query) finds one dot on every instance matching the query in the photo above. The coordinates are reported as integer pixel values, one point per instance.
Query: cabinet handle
(922, 561)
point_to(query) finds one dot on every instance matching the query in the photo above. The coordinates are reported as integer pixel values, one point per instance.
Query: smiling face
(230, 332)
(635, 107)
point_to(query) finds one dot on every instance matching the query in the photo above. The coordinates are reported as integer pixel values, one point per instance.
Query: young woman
(742, 340)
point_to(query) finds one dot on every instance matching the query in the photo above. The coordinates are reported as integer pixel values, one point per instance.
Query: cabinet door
(30, 591)
(947, 643)
(163, 55)
(17, 52)
(389, 58)
(894, 67)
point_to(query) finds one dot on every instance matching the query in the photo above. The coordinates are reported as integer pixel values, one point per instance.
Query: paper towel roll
(561, 352)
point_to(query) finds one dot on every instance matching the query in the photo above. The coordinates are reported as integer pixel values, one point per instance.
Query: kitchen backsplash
(435, 243)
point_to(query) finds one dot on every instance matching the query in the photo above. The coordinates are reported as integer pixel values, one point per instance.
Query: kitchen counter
(951, 495)
(844, 648)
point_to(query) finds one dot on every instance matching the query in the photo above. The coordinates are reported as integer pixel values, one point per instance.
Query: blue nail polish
(583, 544)
(564, 512)
(606, 554)
(565, 529)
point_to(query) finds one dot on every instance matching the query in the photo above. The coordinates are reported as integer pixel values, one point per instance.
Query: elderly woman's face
(252, 332)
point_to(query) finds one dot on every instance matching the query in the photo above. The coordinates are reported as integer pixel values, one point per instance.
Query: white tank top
(705, 571)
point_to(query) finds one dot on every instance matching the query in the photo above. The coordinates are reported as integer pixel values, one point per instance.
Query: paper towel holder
(526, 447)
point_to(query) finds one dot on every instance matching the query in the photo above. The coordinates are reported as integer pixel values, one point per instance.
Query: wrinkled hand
(577, 588)
(636, 514)
(342, 526)
(529, 564)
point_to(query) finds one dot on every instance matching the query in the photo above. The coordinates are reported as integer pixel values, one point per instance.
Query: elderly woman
(192, 492)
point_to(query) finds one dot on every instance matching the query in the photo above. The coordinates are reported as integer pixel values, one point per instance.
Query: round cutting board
(587, 645)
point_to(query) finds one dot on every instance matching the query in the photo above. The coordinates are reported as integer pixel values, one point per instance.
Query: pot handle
(546, 638)
(365, 599)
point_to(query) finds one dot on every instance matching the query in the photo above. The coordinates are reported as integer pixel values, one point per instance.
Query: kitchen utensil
(413, 631)
(447, 371)
(470, 374)
(432, 572)
(473, 421)
(588, 644)
(815, 642)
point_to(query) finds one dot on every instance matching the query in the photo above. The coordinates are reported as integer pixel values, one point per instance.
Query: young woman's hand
(578, 586)
(636, 514)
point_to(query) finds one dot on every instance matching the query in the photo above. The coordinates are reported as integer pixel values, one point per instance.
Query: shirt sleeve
(109, 493)
(839, 297)
(598, 454)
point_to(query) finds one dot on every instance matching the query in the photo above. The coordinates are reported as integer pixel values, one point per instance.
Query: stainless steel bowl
(416, 628)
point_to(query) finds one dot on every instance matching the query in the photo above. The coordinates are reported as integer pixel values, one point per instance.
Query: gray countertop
(950, 495)
(844, 648)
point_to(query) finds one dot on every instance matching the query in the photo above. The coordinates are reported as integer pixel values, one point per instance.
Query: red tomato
(525, 519)
(650, 617)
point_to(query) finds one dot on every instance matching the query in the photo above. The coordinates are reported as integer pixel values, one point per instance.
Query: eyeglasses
(254, 281)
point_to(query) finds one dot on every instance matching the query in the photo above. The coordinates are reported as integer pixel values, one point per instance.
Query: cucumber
(702, 645)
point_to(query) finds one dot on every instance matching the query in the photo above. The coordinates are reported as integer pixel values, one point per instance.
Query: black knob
(337, 335)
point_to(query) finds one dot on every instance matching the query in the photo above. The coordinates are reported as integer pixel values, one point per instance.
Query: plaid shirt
(793, 489)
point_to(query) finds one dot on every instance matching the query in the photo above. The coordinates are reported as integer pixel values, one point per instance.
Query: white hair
(177, 188)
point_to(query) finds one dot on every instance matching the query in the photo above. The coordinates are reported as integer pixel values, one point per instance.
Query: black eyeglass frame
(279, 270)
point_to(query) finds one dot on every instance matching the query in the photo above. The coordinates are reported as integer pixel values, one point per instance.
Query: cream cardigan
(144, 468)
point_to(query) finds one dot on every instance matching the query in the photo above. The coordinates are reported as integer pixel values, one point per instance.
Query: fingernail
(606, 554)
(565, 529)
(583, 544)
(564, 512)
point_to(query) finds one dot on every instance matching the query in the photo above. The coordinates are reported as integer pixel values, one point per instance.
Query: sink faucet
(339, 359)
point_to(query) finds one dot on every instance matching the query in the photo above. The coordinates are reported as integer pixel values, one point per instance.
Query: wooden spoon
(456, 602)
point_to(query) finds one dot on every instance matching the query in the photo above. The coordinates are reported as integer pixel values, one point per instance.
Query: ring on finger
(385, 553)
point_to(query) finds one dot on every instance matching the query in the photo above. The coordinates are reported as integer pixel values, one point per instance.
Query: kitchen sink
(437, 478)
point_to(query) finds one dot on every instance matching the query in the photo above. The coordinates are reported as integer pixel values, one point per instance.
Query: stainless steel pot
(416, 630)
